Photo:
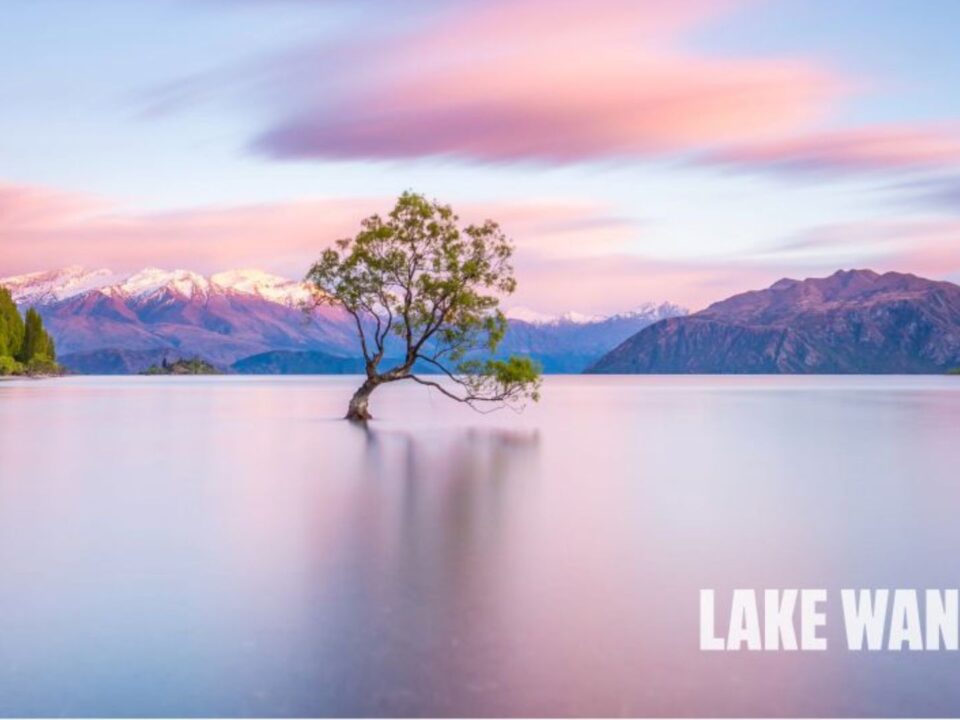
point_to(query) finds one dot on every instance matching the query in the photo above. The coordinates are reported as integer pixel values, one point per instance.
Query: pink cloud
(928, 247)
(570, 256)
(619, 281)
(23, 207)
(41, 229)
(869, 149)
(45, 230)
(555, 81)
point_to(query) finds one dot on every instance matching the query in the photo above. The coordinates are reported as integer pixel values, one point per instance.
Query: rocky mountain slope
(855, 321)
(96, 314)
(109, 323)
(570, 343)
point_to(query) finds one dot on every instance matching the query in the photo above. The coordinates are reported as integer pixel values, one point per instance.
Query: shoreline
(30, 377)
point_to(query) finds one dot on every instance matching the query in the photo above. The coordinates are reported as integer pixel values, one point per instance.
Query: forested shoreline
(26, 348)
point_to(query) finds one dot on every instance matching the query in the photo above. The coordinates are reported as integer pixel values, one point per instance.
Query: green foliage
(418, 278)
(513, 378)
(37, 344)
(954, 371)
(11, 325)
(42, 365)
(196, 366)
(9, 366)
(25, 347)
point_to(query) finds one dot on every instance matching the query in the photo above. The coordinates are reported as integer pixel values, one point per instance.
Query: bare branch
(363, 337)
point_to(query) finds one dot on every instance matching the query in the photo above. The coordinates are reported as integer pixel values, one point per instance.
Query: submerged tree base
(358, 410)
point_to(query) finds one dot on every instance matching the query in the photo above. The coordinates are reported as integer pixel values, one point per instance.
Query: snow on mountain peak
(153, 280)
(578, 318)
(649, 310)
(654, 311)
(525, 314)
(54, 285)
(534, 317)
(256, 282)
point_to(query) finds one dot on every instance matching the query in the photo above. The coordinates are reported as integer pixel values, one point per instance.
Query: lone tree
(426, 291)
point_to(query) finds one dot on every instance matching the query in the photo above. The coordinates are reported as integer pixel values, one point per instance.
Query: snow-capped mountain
(104, 321)
(534, 317)
(646, 311)
(566, 343)
(45, 288)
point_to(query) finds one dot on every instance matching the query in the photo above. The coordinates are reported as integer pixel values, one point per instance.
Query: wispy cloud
(873, 149)
(569, 255)
(550, 81)
(39, 226)
(559, 82)
(924, 246)
(937, 192)
(24, 208)
(554, 82)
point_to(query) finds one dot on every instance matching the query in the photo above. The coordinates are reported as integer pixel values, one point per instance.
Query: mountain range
(251, 321)
(248, 321)
(855, 321)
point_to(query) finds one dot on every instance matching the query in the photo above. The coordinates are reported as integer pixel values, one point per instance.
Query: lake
(227, 546)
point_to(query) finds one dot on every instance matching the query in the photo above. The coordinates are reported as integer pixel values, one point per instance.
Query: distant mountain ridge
(156, 313)
(569, 345)
(286, 362)
(45, 288)
(854, 321)
(106, 322)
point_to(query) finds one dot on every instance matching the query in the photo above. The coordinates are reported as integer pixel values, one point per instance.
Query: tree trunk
(358, 403)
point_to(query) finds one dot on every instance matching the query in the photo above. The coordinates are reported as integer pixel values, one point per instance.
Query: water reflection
(227, 547)
(407, 600)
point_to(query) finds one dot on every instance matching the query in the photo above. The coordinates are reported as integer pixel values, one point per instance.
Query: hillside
(285, 362)
(105, 322)
(855, 321)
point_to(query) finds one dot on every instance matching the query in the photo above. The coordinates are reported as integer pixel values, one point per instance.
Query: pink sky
(566, 254)
(551, 80)
(635, 151)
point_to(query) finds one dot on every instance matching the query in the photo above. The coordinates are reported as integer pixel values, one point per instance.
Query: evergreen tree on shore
(25, 346)
(37, 343)
(11, 325)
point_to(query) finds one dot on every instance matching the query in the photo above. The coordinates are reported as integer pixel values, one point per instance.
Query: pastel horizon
(634, 151)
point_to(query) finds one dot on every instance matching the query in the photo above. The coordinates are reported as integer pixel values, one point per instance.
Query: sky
(634, 151)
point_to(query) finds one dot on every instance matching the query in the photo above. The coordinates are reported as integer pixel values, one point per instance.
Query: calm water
(227, 546)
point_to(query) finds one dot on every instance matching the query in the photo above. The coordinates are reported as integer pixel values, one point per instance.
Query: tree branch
(468, 398)
(363, 337)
